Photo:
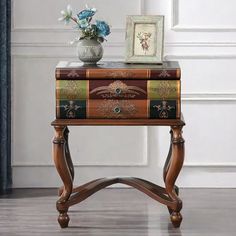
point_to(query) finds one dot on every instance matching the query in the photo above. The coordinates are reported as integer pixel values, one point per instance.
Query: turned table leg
(68, 158)
(172, 169)
(64, 167)
(167, 165)
(67, 153)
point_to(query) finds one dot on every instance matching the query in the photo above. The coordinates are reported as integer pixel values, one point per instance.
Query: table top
(119, 122)
(117, 65)
(114, 70)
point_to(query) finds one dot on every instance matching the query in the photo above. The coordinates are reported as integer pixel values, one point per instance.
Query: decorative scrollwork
(118, 89)
(117, 109)
(71, 109)
(164, 109)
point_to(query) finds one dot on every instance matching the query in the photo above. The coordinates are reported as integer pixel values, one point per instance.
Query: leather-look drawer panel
(118, 109)
(117, 89)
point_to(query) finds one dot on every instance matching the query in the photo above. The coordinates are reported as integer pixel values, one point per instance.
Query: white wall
(201, 35)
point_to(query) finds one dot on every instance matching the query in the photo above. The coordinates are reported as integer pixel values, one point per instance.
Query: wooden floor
(119, 212)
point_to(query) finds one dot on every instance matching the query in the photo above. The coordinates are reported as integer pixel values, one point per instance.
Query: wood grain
(61, 156)
(167, 196)
(118, 122)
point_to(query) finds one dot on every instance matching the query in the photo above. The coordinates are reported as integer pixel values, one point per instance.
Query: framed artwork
(144, 39)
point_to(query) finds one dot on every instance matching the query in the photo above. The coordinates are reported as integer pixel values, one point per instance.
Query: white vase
(89, 51)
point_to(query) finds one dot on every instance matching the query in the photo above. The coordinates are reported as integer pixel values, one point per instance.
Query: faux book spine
(118, 109)
(118, 89)
(84, 74)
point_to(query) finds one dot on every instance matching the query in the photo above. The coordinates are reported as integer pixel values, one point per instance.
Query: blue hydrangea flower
(87, 13)
(103, 29)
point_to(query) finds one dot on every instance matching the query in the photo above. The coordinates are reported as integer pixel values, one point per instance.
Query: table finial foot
(176, 219)
(63, 219)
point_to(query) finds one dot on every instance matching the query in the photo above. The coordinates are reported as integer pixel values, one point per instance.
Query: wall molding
(189, 177)
(207, 97)
(28, 164)
(60, 45)
(144, 163)
(199, 56)
(176, 26)
(122, 44)
(194, 174)
(54, 29)
(211, 165)
(60, 56)
(115, 56)
(186, 165)
(57, 28)
(145, 159)
(201, 44)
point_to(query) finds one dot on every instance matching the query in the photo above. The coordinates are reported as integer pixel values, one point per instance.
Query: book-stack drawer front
(81, 99)
(119, 93)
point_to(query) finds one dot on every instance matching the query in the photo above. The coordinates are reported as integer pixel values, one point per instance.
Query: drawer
(117, 109)
(117, 89)
(104, 109)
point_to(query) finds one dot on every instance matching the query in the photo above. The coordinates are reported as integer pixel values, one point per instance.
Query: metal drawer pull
(117, 110)
(118, 91)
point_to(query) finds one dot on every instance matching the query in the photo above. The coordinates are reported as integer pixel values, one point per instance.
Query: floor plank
(118, 212)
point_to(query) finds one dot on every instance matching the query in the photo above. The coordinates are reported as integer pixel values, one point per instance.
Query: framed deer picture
(144, 39)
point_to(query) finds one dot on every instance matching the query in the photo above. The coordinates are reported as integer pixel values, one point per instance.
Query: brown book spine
(117, 109)
(75, 74)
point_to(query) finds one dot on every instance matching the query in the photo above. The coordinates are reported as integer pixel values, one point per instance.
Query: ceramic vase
(89, 51)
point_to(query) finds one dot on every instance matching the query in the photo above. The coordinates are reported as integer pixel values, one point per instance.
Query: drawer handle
(117, 110)
(118, 91)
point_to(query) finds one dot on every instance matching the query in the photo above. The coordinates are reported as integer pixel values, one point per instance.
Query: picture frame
(144, 39)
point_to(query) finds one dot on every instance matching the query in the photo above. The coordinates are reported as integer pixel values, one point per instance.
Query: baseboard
(190, 177)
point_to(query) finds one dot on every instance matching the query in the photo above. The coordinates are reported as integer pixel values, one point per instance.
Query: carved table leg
(167, 165)
(68, 158)
(60, 153)
(172, 169)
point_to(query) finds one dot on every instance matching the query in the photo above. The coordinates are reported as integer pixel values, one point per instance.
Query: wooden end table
(70, 196)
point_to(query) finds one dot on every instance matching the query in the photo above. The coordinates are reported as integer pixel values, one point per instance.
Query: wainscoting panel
(206, 49)
(38, 15)
(215, 15)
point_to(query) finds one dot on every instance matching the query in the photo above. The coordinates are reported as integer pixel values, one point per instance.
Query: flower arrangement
(88, 29)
